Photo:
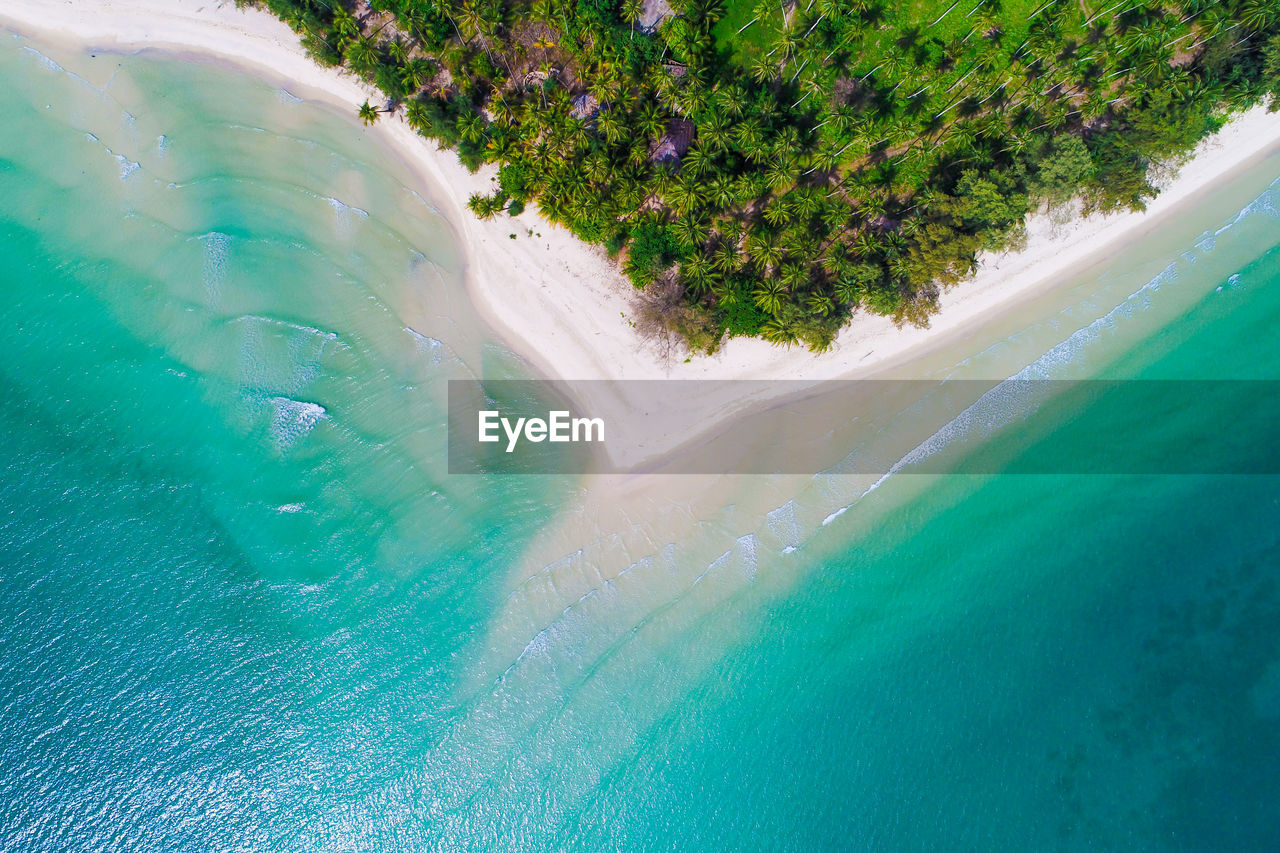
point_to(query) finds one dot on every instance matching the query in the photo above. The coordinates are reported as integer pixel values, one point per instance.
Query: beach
(563, 305)
(245, 604)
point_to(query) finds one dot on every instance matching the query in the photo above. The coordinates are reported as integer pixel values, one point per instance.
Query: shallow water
(244, 606)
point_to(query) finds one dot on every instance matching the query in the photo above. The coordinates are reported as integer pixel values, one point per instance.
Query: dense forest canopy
(768, 167)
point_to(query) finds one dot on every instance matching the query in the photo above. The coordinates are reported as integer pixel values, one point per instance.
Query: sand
(564, 305)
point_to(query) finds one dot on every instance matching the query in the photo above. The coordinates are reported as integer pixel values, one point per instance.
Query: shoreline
(561, 304)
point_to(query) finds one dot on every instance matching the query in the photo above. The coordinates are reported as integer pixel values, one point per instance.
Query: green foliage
(986, 205)
(1271, 70)
(516, 179)
(390, 79)
(486, 206)
(437, 119)
(817, 158)
(743, 319)
(1067, 166)
(653, 250)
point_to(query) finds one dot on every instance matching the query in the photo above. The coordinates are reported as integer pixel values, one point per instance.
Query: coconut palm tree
(696, 161)
(485, 206)
(344, 27)
(722, 191)
(685, 194)
(726, 293)
(611, 126)
(764, 249)
(725, 258)
(417, 116)
(631, 12)
(697, 276)
(471, 127)
(848, 291)
(362, 55)
(778, 331)
(416, 73)
(651, 119)
(368, 113)
(770, 296)
(819, 304)
(691, 231)
(780, 211)
(779, 176)
(794, 276)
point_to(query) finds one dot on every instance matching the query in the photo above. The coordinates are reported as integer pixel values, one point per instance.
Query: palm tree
(368, 113)
(610, 125)
(697, 276)
(722, 191)
(713, 131)
(691, 231)
(762, 69)
(651, 119)
(417, 116)
(779, 176)
(485, 206)
(1259, 15)
(696, 161)
(848, 291)
(597, 167)
(732, 99)
(344, 27)
(779, 332)
(750, 139)
(415, 74)
(865, 244)
(684, 195)
(820, 304)
(794, 276)
(471, 127)
(725, 257)
(780, 211)
(631, 12)
(362, 55)
(726, 293)
(764, 250)
(769, 295)
(808, 202)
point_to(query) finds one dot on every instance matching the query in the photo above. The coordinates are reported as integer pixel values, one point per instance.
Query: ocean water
(243, 607)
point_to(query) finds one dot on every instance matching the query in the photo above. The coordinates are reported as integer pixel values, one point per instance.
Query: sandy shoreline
(562, 304)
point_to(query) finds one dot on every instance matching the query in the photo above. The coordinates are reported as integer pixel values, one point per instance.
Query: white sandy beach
(564, 305)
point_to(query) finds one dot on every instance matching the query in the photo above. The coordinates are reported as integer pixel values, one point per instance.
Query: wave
(217, 250)
(1018, 396)
(263, 366)
(292, 420)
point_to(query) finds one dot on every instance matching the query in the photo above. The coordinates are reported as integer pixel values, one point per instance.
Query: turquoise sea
(244, 607)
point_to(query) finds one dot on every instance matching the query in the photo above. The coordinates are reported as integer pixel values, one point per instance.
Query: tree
(344, 27)
(486, 206)
(866, 157)
(417, 115)
(415, 74)
(631, 12)
(1065, 169)
(471, 127)
(769, 296)
(362, 55)
(1271, 70)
